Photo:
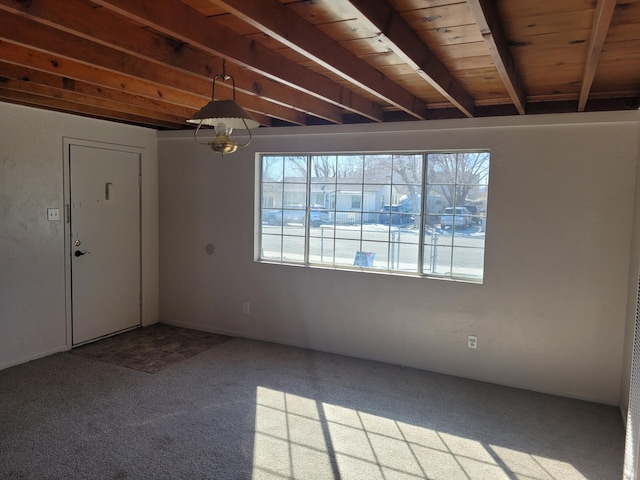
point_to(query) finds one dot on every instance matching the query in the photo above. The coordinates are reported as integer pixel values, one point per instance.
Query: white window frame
(424, 212)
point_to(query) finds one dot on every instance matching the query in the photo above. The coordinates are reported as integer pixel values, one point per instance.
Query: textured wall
(550, 315)
(33, 320)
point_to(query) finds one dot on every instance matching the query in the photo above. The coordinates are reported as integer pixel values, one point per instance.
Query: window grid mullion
(422, 215)
(281, 213)
(307, 213)
(361, 213)
(393, 244)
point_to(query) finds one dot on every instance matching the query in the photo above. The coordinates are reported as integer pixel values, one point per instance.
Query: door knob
(78, 253)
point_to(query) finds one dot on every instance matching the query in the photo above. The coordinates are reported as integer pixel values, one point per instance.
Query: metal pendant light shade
(224, 116)
(223, 111)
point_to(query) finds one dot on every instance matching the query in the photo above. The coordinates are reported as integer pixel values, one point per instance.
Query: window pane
(272, 169)
(295, 169)
(375, 197)
(409, 199)
(437, 260)
(330, 223)
(321, 250)
(349, 169)
(294, 229)
(295, 195)
(294, 213)
(374, 255)
(437, 236)
(271, 195)
(442, 196)
(471, 237)
(351, 232)
(345, 194)
(383, 218)
(396, 216)
(474, 194)
(431, 222)
(321, 193)
(271, 216)
(345, 251)
(293, 249)
(441, 168)
(468, 262)
(323, 231)
(378, 169)
(407, 169)
(375, 232)
(473, 168)
(271, 247)
(436, 201)
(349, 218)
(405, 235)
(323, 169)
(403, 257)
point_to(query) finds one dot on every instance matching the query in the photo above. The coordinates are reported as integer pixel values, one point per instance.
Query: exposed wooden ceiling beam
(69, 94)
(177, 20)
(123, 66)
(61, 66)
(118, 100)
(49, 103)
(398, 35)
(37, 77)
(488, 20)
(93, 24)
(601, 21)
(286, 26)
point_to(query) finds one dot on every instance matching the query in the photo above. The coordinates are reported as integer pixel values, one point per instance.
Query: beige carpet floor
(245, 409)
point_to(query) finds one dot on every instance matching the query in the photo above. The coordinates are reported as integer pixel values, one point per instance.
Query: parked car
(318, 214)
(396, 215)
(271, 216)
(295, 213)
(474, 211)
(458, 217)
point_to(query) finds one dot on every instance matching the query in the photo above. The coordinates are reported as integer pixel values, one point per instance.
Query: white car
(460, 218)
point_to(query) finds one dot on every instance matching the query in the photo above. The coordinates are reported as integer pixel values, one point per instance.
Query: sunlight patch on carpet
(301, 438)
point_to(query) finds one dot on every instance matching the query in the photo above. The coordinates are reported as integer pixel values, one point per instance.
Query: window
(333, 210)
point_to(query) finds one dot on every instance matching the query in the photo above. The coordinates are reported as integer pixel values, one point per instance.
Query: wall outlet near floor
(472, 342)
(246, 308)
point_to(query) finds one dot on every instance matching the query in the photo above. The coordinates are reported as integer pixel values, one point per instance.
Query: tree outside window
(410, 213)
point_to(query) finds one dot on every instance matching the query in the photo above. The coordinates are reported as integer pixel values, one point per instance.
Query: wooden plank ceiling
(309, 62)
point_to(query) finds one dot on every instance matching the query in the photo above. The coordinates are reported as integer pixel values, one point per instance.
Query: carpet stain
(151, 349)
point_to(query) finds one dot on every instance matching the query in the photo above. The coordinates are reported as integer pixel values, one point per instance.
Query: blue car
(318, 214)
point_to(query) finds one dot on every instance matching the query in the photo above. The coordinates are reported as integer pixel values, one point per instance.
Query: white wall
(33, 320)
(634, 277)
(549, 317)
(551, 313)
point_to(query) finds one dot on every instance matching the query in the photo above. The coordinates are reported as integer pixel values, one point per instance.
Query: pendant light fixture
(224, 116)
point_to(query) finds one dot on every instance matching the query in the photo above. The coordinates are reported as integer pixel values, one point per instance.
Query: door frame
(66, 216)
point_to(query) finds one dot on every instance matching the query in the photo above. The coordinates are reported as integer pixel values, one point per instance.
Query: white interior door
(105, 241)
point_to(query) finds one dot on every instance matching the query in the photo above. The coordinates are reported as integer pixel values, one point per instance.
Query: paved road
(395, 248)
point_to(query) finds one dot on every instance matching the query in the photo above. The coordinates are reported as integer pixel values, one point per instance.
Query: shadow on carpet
(151, 349)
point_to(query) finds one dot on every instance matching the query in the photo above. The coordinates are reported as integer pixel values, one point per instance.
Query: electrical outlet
(246, 308)
(53, 214)
(472, 342)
